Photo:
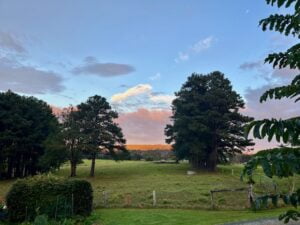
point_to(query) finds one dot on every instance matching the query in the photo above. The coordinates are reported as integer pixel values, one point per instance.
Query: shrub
(3, 211)
(55, 197)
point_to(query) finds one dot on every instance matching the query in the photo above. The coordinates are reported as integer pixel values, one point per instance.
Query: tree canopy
(99, 129)
(26, 123)
(73, 137)
(207, 126)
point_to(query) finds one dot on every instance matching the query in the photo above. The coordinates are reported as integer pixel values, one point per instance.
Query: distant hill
(148, 147)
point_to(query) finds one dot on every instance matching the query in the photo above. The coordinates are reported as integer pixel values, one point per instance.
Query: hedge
(47, 195)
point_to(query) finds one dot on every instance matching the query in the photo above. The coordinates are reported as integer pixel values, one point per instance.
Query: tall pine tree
(207, 126)
(101, 132)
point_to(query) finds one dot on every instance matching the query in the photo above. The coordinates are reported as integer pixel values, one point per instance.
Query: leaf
(256, 131)
(294, 199)
(266, 167)
(280, 3)
(272, 132)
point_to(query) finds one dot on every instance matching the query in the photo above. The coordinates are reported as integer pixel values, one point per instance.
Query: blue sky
(135, 53)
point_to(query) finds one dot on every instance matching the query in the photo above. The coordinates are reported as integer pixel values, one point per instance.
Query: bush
(55, 197)
(3, 212)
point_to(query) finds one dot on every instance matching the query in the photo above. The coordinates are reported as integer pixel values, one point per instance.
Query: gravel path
(264, 222)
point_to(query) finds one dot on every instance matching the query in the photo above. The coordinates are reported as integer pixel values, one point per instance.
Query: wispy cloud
(91, 66)
(196, 48)
(252, 65)
(202, 44)
(134, 91)
(167, 99)
(266, 72)
(157, 76)
(9, 41)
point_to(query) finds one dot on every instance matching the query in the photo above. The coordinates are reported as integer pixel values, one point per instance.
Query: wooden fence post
(154, 198)
(128, 199)
(212, 199)
(72, 204)
(250, 194)
(56, 206)
(105, 199)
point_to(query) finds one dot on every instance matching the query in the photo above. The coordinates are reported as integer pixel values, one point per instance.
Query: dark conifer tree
(207, 126)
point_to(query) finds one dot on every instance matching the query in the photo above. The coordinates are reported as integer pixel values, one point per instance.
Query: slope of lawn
(131, 183)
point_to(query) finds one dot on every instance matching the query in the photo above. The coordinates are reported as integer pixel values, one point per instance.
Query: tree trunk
(9, 168)
(212, 160)
(73, 168)
(92, 173)
(18, 167)
(197, 162)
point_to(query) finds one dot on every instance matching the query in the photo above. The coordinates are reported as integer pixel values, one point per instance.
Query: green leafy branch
(274, 163)
(289, 91)
(283, 130)
(286, 3)
(290, 58)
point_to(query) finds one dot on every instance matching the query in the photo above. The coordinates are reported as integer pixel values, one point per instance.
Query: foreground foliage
(289, 129)
(282, 163)
(54, 197)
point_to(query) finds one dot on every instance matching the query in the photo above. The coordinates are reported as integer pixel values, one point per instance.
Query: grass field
(130, 184)
(176, 216)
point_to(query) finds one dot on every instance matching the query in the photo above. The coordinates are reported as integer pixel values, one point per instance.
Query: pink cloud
(144, 126)
(57, 111)
(284, 108)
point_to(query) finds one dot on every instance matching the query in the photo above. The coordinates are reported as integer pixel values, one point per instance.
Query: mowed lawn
(131, 184)
(176, 216)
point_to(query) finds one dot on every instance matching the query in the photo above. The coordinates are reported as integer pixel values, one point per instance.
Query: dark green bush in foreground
(47, 195)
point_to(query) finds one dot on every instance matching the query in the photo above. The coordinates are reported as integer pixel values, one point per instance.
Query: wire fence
(177, 199)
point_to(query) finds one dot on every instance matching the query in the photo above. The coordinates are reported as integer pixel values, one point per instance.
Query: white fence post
(154, 198)
(105, 198)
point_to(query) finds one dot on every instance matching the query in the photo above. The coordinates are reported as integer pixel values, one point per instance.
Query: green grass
(176, 216)
(130, 184)
(169, 217)
(185, 199)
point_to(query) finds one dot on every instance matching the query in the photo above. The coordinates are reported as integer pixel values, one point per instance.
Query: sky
(137, 53)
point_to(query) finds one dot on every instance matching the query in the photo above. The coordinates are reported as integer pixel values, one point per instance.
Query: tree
(25, 125)
(55, 154)
(207, 126)
(73, 138)
(281, 162)
(101, 132)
